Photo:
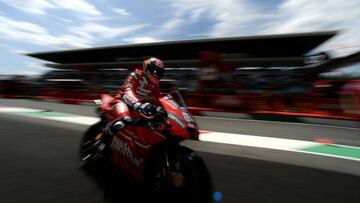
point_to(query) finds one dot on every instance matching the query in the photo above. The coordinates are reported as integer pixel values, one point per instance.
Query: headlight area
(194, 133)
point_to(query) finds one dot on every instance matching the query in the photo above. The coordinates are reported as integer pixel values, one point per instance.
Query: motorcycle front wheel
(186, 180)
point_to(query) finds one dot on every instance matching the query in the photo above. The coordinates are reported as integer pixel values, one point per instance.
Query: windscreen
(177, 97)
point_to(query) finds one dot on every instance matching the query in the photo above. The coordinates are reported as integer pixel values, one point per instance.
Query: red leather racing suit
(135, 89)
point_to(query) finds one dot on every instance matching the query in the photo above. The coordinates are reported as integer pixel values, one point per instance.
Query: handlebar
(155, 116)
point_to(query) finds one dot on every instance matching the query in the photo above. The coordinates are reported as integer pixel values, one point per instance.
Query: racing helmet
(153, 70)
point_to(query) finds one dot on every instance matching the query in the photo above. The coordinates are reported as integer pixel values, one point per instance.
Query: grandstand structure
(266, 72)
(187, 60)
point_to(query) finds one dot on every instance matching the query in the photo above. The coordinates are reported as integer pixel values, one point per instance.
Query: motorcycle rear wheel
(90, 157)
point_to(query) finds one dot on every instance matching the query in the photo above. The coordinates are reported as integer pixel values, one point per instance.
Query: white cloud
(104, 32)
(80, 6)
(231, 17)
(39, 7)
(317, 15)
(62, 19)
(35, 34)
(76, 37)
(244, 17)
(36, 66)
(5, 46)
(235, 18)
(32, 69)
(310, 15)
(8, 25)
(172, 24)
(137, 40)
(183, 11)
(122, 11)
(28, 73)
(19, 51)
(196, 14)
(350, 71)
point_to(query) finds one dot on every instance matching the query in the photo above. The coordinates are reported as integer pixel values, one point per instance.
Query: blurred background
(321, 88)
(278, 75)
(273, 84)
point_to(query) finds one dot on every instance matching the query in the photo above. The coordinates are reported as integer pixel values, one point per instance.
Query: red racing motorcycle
(150, 152)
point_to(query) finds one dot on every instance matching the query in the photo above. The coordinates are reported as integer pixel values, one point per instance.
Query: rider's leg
(123, 120)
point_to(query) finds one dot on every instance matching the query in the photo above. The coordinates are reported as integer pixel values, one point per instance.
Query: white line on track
(269, 143)
(255, 141)
(77, 119)
(16, 109)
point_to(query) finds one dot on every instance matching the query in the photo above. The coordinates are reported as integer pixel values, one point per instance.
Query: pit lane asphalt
(306, 132)
(39, 164)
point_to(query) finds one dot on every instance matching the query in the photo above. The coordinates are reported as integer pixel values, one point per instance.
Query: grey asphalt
(39, 164)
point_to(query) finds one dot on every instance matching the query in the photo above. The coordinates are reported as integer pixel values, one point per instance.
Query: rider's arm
(129, 96)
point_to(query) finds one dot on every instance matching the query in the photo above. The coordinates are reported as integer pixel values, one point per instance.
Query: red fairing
(113, 108)
(132, 146)
(176, 118)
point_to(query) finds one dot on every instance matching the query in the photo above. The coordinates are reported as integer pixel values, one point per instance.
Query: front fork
(167, 169)
(176, 178)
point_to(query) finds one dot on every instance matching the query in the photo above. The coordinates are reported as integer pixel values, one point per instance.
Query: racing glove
(147, 110)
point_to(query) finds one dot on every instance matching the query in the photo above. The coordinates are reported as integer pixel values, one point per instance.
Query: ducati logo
(124, 149)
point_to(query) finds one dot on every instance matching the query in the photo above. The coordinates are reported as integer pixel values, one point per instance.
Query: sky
(48, 25)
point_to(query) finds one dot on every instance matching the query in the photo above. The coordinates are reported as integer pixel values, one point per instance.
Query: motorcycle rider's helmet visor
(155, 71)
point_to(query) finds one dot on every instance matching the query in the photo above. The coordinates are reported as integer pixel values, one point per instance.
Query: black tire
(89, 154)
(196, 183)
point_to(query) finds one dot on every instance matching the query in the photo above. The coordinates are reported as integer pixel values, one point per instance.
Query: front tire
(189, 179)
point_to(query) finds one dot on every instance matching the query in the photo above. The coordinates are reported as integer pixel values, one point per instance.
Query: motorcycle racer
(133, 100)
(142, 140)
